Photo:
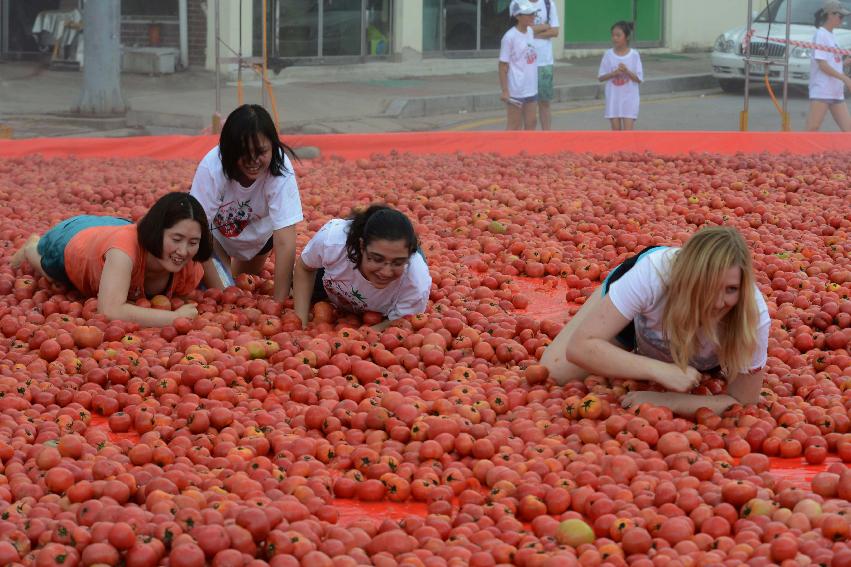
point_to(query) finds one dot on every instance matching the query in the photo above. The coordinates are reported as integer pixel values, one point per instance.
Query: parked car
(728, 64)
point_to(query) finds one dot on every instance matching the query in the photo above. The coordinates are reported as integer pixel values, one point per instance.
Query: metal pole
(263, 77)
(743, 117)
(239, 94)
(478, 25)
(184, 33)
(217, 117)
(364, 22)
(785, 126)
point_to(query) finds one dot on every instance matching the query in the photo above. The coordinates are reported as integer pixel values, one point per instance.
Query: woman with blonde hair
(667, 315)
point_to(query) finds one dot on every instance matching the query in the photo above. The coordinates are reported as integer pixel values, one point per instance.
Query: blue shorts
(829, 101)
(520, 101)
(51, 246)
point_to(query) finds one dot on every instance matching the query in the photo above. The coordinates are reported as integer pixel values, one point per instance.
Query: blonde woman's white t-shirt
(348, 289)
(639, 295)
(822, 85)
(242, 219)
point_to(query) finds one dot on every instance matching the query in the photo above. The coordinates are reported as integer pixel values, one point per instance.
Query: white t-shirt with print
(241, 218)
(518, 50)
(544, 47)
(348, 289)
(622, 94)
(639, 296)
(822, 85)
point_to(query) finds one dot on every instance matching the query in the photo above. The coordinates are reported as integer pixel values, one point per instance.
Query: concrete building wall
(137, 34)
(687, 24)
(229, 32)
(558, 42)
(408, 30)
(198, 10)
(695, 24)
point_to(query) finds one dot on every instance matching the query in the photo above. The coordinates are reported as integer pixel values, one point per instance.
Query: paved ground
(709, 110)
(374, 97)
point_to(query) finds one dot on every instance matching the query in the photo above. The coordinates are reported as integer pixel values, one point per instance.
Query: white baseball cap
(522, 8)
(834, 6)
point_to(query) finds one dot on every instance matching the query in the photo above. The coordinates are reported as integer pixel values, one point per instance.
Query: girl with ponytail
(369, 261)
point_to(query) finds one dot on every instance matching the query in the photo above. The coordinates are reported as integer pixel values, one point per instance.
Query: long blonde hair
(692, 292)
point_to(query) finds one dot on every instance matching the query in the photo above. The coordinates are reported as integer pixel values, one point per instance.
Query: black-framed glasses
(379, 260)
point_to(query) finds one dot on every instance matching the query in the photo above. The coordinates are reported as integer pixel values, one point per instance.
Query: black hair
(625, 27)
(242, 131)
(169, 210)
(378, 222)
(821, 17)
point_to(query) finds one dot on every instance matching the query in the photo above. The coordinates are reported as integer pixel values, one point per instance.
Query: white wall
(695, 24)
(558, 42)
(408, 30)
(229, 32)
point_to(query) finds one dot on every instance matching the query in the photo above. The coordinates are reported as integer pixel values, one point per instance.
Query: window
(149, 9)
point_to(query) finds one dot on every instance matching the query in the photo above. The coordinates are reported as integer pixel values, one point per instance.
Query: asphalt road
(711, 110)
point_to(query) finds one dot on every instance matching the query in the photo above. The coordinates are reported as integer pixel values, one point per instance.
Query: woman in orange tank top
(120, 262)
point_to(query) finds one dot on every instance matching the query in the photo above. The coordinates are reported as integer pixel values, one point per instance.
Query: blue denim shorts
(51, 246)
(520, 101)
(829, 101)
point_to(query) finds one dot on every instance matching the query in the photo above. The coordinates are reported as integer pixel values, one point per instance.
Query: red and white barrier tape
(794, 43)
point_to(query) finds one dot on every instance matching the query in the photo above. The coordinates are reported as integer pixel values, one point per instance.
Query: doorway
(314, 30)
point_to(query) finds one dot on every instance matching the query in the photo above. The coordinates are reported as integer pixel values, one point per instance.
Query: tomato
(187, 555)
(101, 554)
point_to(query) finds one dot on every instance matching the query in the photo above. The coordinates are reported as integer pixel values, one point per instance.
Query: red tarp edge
(353, 146)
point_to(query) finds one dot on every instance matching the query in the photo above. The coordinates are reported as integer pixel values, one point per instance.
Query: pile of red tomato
(235, 439)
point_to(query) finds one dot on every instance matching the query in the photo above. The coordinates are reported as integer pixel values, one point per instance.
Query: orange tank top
(85, 255)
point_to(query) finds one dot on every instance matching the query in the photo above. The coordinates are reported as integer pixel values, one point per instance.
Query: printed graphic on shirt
(620, 79)
(652, 343)
(346, 297)
(531, 54)
(232, 218)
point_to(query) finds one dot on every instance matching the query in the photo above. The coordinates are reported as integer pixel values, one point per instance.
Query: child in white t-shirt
(367, 262)
(546, 28)
(518, 68)
(248, 189)
(621, 70)
(667, 315)
(827, 78)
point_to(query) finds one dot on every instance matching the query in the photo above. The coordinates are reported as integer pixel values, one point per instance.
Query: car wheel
(732, 85)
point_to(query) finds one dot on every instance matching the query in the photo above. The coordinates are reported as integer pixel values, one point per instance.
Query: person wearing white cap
(518, 68)
(546, 27)
(827, 79)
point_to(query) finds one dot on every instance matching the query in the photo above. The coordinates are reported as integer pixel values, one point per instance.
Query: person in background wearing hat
(827, 79)
(546, 27)
(518, 68)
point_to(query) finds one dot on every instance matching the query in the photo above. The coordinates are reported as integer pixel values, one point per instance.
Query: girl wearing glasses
(366, 262)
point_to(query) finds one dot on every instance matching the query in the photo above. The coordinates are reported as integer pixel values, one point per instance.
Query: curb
(418, 107)
(143, 118)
